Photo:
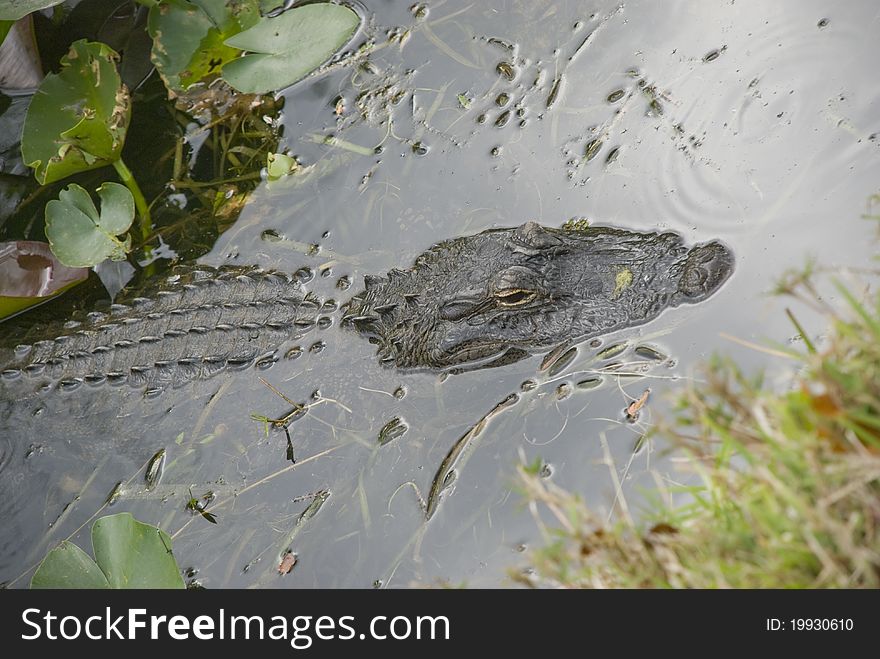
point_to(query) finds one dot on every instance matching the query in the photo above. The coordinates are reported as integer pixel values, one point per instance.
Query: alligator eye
(514, 297)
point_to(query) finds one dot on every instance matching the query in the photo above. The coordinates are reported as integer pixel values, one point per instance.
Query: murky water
(754, 123)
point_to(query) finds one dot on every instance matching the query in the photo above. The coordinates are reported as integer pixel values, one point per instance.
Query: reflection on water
(748, 122)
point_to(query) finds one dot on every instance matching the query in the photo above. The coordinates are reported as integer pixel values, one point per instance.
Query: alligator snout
(497, 296)
(705, 268)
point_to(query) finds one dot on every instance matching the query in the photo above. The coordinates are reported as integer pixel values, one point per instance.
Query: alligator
(471, 302)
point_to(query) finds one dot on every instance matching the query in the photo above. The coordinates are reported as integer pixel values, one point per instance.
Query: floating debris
(563, 391)
(633, 409)
(612, 155)
(288, 561)
(554, 91)
(153, 473)
(561, 362)
(612, 351)
(506, 70)
(392, 430)
(649, 353)
(502, 119)
(713, 55)
(592, 149)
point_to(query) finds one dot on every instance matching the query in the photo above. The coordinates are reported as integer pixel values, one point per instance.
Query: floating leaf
(78, 118)
(128, 554)
(68, 566)
(79, 235)
(132, 554)
(286, 48)
(188, 37)
(30, 274)
(279, 165)
(12, 10)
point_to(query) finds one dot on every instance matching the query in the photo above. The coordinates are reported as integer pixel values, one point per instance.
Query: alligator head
(495, 297)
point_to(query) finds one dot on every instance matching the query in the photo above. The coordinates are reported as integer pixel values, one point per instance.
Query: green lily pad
(30, 274)
(79, 235)
(12, 10)
(68, 566)
(188, 37)
(78, 118)
(132, 554)
(128, 554)
(286, 48)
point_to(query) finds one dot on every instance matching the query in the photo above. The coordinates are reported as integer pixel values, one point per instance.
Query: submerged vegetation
(789, 483)
(179, 88)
